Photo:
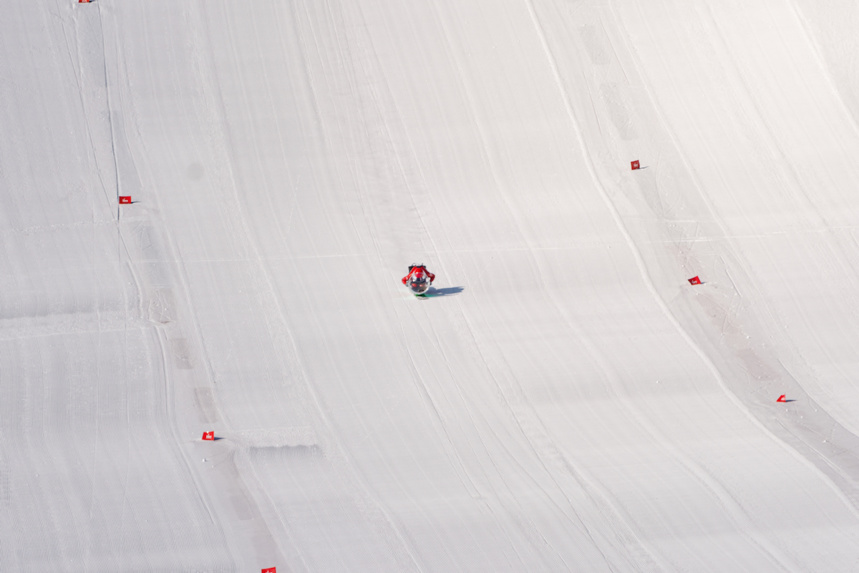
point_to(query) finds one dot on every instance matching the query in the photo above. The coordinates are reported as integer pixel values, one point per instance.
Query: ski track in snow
(580, 408)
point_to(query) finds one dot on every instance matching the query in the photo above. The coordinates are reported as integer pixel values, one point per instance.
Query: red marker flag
(125, 199)
(635, 165)
(694, 281)
(209, 436)
(270, 570)
(781, 399)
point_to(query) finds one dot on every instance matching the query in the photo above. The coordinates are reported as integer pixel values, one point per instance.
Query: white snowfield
(566, 401)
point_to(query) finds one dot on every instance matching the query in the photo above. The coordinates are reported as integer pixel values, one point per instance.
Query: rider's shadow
(444, 291)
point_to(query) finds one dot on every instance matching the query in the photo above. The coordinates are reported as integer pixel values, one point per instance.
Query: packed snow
(564, 400)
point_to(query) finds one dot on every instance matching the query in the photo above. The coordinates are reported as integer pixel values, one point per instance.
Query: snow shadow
(434, 292)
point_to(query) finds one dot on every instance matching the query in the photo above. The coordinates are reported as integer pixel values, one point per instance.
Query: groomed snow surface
(567, 401)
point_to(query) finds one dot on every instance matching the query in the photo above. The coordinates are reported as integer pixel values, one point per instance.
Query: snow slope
(566, 401)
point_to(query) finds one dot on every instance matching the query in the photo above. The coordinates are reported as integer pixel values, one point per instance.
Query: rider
(418, 273)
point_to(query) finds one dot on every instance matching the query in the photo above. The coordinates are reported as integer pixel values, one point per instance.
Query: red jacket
(418, 271)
